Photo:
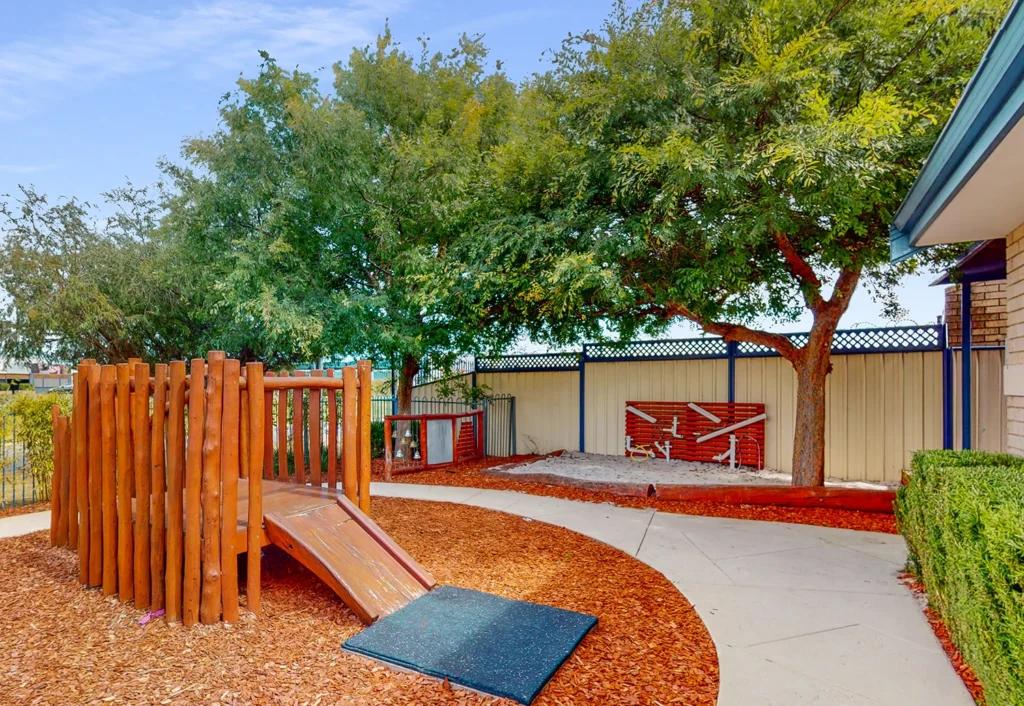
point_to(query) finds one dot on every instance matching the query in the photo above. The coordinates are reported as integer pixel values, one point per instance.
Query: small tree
(79, 285)
(727, 162)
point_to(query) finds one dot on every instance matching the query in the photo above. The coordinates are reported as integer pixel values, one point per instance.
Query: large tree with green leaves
(726, 162)
(322, 213)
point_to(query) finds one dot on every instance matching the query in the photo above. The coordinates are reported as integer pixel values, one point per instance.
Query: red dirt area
(24, 509)
(468, 474)
(65, 644)
(967, 675)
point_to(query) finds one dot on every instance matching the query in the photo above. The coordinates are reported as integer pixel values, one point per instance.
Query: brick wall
(1015, 335)
(988, 313)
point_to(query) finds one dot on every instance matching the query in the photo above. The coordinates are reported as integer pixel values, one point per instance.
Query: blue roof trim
(991, 105)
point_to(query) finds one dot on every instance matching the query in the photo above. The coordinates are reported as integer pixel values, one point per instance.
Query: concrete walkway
(800, 615)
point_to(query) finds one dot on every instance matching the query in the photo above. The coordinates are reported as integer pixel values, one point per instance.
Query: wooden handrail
(439, 415)
(293, 382)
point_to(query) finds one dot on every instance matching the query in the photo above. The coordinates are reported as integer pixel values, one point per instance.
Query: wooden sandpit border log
(831, 497)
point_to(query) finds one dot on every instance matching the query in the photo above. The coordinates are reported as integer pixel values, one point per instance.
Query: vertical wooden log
(193, 487)
(268, 439)
(73, 475)
(143, 478)
(95, 480)
(64, 522)
(82, 452)
(254, 538)
(365, 403)
(298, 448)
(243, 434)
(315, 432)
(108, 379)
(349, 432)
(210, 605)
(67, 515)
(125, 539)
(175, 489)
(55, 508)
(158, 488)
(132, 362)
(423, 442)
(282, 433)
(387, 450)
(230, 431)
(332, 436)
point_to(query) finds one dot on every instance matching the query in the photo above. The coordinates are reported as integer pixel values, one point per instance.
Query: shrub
(5, 387)
(33, 425)
(962, 514)
(377, 439)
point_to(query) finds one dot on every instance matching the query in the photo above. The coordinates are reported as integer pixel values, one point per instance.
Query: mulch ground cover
(469, 474)
(964, 670)
(24, 509)
(66, 644)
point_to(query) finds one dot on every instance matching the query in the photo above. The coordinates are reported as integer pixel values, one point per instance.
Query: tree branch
(810, 284)
(738, 332)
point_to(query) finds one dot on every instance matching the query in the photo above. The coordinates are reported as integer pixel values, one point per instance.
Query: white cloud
(97, 46)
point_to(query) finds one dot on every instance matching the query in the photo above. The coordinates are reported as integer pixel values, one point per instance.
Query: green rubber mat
(491, 644)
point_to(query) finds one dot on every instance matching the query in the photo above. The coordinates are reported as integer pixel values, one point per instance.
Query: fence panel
(499, 417)
(17, 484)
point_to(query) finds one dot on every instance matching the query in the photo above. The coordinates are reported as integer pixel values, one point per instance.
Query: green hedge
(962, 514)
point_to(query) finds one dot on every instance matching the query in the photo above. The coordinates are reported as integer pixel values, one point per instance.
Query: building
(969, 190)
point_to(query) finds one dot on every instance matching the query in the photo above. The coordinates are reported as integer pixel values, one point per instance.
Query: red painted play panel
(678, 426)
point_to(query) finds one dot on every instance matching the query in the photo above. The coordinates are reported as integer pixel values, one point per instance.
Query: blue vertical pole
(965, 364)
(947, 390)
(583, 396)
(732, 347)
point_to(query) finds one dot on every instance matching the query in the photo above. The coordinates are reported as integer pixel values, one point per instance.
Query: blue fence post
(583, 397)
(947, 390)
(965, 365)
(732, 348)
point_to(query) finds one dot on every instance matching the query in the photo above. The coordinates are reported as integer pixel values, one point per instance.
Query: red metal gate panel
(678, 426)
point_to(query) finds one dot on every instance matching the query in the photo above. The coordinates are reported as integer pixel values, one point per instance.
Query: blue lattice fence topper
(529, 362)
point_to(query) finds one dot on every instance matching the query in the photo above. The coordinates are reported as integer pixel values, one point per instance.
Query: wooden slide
(351, 554)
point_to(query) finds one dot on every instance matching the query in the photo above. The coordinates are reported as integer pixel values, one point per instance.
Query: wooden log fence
(148, 473)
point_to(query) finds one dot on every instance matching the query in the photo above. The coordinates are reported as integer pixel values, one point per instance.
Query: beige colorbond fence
(881, 406)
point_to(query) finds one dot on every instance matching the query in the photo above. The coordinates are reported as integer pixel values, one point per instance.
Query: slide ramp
(351, 554)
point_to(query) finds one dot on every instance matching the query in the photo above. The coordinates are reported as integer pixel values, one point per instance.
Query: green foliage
(5, 386)
(377, 439)
(34, 426)
(723, 161)
(319, 213)
(81, 286)
(962, 515)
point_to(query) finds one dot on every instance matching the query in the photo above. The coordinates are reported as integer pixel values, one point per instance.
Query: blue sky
(94, 93)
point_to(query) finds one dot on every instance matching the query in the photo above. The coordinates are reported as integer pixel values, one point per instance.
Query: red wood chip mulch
(468, 475)
(65, 644)
(24, 509)
(967, 675)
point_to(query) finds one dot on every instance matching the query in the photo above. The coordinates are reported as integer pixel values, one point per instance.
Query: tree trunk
(809, 434)
(410, 366)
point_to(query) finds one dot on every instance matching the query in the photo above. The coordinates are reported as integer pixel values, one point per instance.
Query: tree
(726, 162)
(322, 214)
(83, 286)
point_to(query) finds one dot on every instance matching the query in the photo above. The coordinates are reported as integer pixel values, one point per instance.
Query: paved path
(800, 615)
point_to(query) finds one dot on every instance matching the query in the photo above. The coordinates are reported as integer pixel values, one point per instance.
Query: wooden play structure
(161, 481)
(420, 442)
